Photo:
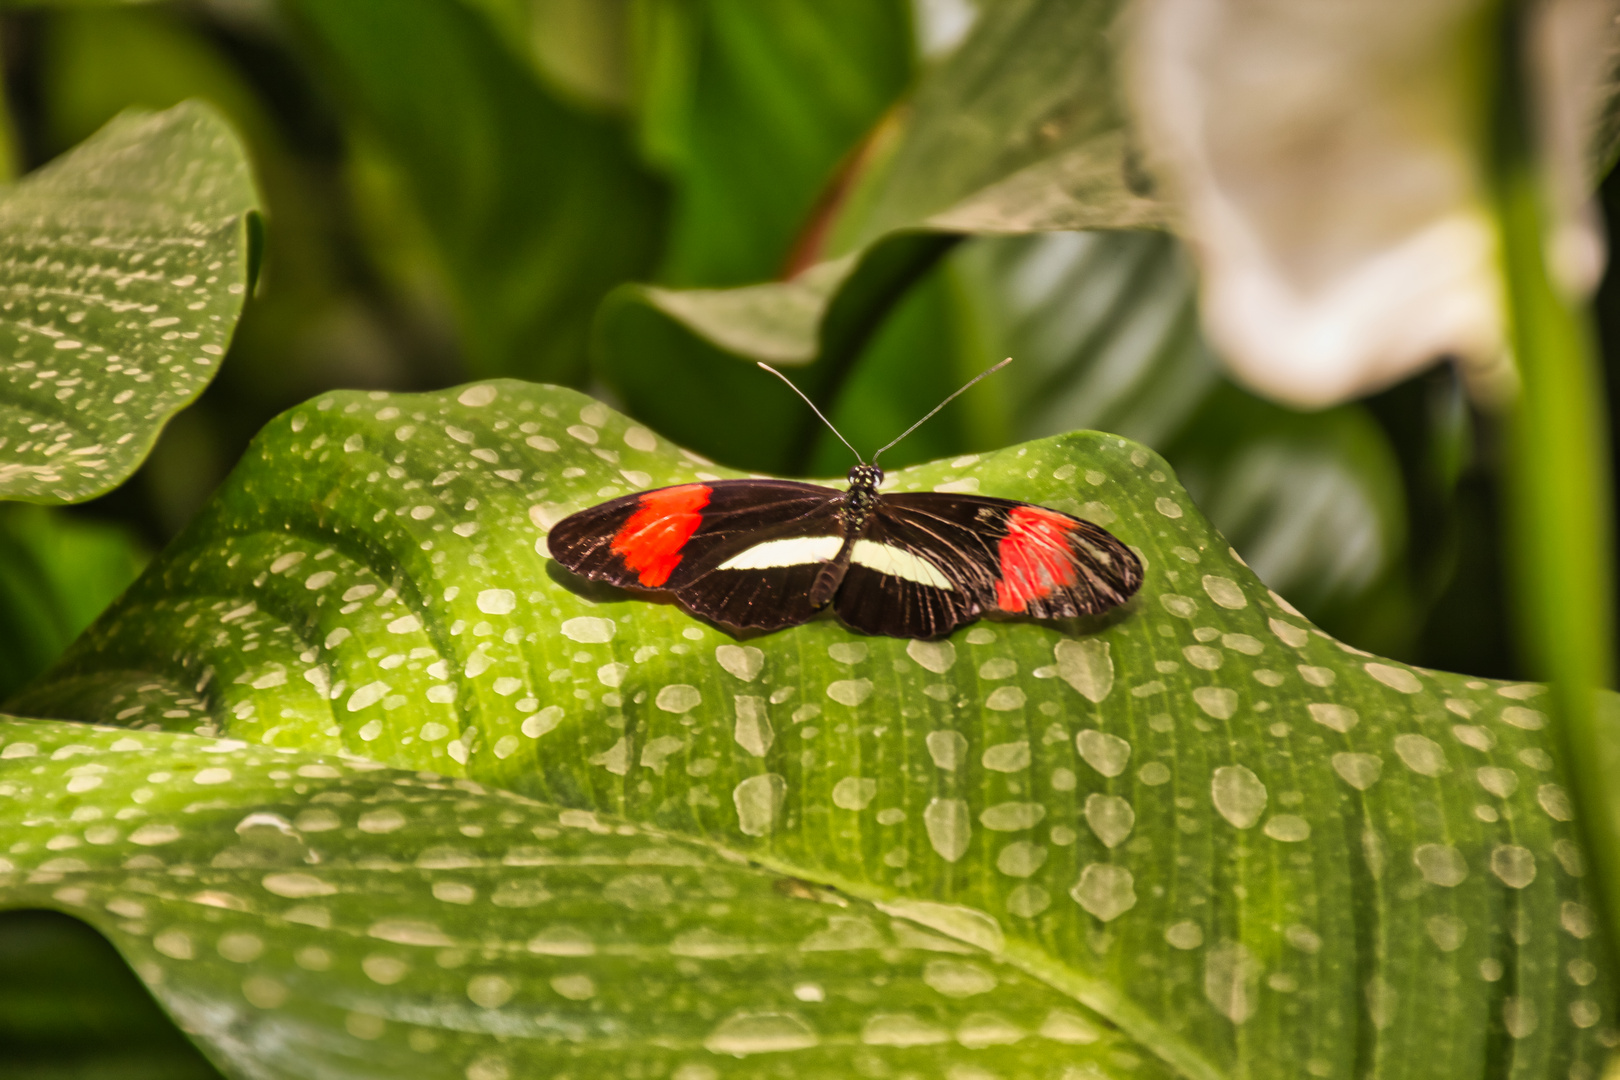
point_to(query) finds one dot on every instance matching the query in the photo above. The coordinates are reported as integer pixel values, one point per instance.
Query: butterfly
(762, 554)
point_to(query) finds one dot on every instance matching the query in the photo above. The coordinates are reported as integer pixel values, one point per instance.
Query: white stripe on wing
(900, 563)
(789, 551)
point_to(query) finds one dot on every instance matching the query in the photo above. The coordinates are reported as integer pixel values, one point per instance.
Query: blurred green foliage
(57, 573)
(71, 1009)
(454, 186)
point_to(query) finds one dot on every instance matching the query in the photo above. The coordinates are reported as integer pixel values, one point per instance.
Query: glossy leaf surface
(1201, 824)
(123, 267)
(333, 915)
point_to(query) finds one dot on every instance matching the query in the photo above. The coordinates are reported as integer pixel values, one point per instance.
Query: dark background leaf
(57, 573)
(535, 208)
(71, 1009)
(752, 109)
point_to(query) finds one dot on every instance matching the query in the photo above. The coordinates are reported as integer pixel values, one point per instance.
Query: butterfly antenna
(970, 383)
(818, 412)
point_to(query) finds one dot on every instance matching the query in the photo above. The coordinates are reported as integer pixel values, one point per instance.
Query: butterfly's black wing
(746, 553)
(933, 561)
(739, 552)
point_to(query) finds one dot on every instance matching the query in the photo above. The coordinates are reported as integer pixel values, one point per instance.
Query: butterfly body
(767, 554)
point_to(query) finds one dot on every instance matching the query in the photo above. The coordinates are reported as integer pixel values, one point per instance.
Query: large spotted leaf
(310, 916)
(1235, 845)
(123, 268)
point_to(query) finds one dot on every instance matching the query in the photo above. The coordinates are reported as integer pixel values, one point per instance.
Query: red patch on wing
(1034, 557)
(650, 542)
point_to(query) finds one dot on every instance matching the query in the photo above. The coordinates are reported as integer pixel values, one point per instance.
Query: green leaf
(1245, 847)
(56, 575)
(536, 209)
(124, 264)
(1102, 326)
(1022, 129)
(1560, 492)
(303, 914)
(673, 354)
(1019, 131)
(750, 109)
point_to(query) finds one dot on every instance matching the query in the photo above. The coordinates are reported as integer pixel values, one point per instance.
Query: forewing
(1007, 556)
(743, 553)
(663, 539)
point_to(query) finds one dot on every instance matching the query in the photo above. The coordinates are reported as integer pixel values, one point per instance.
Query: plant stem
(1560, 523)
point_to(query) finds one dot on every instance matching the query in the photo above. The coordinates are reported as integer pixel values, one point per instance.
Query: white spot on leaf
(1232, 981)
(588, 630)
(1293, 636)
(949, 827)
(947, 748)
(958, 978)
(753, 731)
(1217, 701)
(1238, 795)
(851, 692)
(1394, 677)
(1108, 754)
(1225, 592)
(1421, 754)
(1360, 771)
(745, 1033)
(1007, 757)
(854, 792)
(1086, 666)
(1012, 816)
(1515, 866)
(759, 800)
(678, 698)
(497, 601)
(1105, 891)
(1440, 864)
(1340, 718)
(1111, 818)
(936, 656)
(740, 661)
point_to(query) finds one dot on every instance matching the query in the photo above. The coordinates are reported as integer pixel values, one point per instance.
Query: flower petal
(1327, 159)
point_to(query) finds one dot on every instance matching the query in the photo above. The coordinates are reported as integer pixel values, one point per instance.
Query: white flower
(1328, 160)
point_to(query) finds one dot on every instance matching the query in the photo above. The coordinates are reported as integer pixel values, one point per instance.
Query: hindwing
(995, 554)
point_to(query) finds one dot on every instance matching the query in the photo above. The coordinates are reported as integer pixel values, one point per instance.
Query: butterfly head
(865, 478)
